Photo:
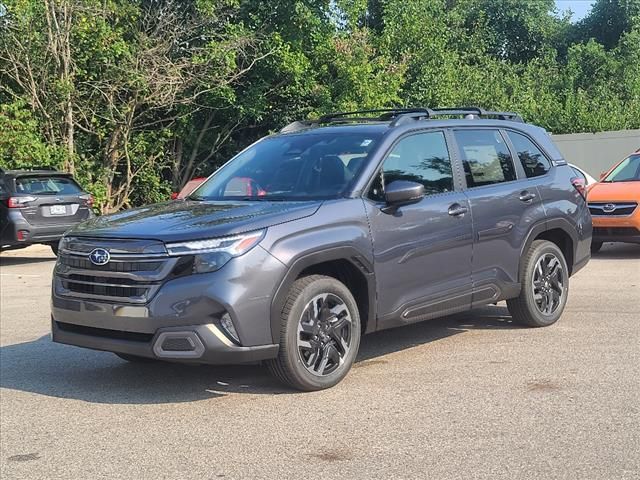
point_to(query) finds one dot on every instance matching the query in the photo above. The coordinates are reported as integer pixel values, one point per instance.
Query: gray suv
(328, 230)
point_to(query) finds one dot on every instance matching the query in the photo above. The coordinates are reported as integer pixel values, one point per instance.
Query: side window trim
(514, 153)
(385, 155)
(505, 139)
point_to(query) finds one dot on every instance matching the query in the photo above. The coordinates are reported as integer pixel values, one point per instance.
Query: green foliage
(136, 97)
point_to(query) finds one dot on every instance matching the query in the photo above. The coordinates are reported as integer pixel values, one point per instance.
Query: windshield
(291, 167)
(47, 186)
(627, 171)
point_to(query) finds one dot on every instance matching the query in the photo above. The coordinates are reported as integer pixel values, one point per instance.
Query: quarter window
(485, 157)
(533, 160)
(422, 158)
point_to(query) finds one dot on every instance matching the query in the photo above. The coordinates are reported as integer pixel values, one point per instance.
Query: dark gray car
(326, 231)
(38, 206)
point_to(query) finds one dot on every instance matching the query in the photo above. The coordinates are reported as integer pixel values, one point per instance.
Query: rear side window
(47, 186)
(532, 159)
(485, 157)
(422, 158)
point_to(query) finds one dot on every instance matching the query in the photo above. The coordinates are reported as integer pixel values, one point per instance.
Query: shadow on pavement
(6, 260)
(621, 251)
(47, 368)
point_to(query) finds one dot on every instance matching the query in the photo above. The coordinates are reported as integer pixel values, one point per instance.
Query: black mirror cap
(403, 192)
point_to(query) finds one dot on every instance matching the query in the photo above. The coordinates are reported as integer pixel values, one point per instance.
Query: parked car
(326, 231)
(613, 203)
(588, 179)
(38, 206)
(189, 187)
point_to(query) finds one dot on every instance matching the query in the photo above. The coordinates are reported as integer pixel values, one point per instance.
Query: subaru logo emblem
(609, 207)
(99, 256)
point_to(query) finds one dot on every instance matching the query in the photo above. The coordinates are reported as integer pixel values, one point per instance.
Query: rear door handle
(527, 196)
(457, 210)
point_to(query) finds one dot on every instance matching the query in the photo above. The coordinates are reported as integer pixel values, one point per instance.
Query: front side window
(485, 157)
(532, 159)
(292, 167)
(422, 158)
(627, 171)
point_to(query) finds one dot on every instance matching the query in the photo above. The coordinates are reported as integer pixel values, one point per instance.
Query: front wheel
(319, 335)
(544, 286)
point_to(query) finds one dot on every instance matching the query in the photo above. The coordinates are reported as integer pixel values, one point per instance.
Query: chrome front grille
(612, 208)
(134, 273)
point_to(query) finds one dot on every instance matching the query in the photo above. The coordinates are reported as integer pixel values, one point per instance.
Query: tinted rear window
(47, 186)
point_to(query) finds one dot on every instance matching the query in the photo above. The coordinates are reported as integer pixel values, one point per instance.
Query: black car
(38, 206)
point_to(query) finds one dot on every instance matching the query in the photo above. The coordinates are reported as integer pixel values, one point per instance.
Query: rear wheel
(544, 288)
(319, 336)
(595, 247)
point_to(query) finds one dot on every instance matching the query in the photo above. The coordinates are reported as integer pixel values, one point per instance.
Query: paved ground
(467, 397)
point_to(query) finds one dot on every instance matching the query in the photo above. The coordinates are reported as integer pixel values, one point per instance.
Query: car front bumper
(182, 320)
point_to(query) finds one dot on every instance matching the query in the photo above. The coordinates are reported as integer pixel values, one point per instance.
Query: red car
(189, 187)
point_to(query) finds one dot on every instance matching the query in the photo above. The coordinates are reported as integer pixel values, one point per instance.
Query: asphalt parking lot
(470, 396)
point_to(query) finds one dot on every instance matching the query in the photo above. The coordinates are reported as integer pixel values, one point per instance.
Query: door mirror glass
(403, 192)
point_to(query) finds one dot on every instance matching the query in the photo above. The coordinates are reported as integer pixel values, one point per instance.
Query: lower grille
(615, 231)
(105, 333)
(104, 290)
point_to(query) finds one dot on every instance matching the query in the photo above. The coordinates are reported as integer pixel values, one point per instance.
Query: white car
(588, 179)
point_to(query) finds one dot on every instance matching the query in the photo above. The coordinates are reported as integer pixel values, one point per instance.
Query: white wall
(597, 152)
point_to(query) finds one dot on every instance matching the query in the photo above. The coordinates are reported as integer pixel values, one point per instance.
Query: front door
(422, 251)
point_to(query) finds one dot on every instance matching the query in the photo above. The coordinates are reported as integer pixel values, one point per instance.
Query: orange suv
(613, 203)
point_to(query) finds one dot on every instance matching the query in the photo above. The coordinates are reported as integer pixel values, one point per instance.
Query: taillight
(88, 200)
(580, 186)
(19, 202)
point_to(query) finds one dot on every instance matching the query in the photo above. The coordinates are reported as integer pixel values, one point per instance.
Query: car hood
(614, 192)
(192, 220)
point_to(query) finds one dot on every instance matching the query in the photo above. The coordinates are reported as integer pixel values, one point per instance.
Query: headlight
(212, 254)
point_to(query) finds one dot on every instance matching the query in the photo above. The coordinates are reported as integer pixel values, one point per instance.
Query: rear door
(422, 251)
(57, 199)
(504, 206)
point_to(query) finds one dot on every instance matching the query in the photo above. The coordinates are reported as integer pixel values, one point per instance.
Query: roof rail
(400, 116)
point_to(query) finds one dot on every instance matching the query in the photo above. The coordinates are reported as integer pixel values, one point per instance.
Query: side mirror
(602, 175)
(402, 192)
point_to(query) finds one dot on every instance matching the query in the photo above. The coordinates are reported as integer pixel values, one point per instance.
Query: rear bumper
(208, 344)
(32, 233)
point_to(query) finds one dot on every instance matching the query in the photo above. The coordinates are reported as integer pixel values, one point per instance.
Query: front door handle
(527, 196)
(457, 210)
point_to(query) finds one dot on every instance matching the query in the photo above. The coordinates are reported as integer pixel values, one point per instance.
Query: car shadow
(615, 251)
(51, 369)
(6, 260)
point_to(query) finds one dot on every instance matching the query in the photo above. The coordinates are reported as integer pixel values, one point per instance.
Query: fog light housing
(228, 328)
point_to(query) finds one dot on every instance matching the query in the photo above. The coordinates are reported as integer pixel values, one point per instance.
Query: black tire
(54, 248)
(295, 364)
(530, 308)
(135, 358)
(595, 247)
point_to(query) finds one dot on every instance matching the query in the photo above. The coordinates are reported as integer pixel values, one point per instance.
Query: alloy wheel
(324, 334)
(548, 284)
